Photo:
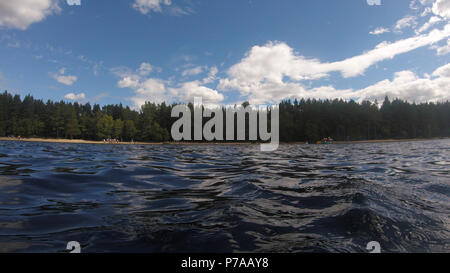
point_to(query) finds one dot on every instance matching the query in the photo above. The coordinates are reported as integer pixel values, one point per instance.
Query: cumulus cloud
(408, 86)
(146, 6)
(64, 79)
(273, 62)
(132, 79)
(270, 63)
(405, 85)
(72, 96)
(129, 82)
(442, 72)
(151, 89)
(442, 8)
(21, 14)
(157, 90)
(67, 80)
(275, 71)
(187, 91)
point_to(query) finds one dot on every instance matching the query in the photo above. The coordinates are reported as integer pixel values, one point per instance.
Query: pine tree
(72, 128)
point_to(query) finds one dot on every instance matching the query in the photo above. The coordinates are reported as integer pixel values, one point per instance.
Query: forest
(300, 120)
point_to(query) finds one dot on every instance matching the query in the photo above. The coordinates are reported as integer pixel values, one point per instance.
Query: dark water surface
(216, 198)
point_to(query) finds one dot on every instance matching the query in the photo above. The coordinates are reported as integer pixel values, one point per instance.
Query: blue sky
(130, 51)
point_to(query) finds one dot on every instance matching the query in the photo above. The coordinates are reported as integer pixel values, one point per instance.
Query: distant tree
(156, 133)
(129, 130)
(117, 129)
(72, 128)
(105, 127)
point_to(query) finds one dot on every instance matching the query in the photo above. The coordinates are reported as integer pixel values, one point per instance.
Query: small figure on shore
(326, 140)
(111, 141)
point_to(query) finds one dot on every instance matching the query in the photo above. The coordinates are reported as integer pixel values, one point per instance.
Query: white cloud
(67, 80)
(192, 89)
(443, 72)
(145, 69)
(408, 86)
(151, 89)
(433, 20)
(415, 4)
(275, 60)
(379, 31)
(128, 82)
(426, 11)
(442, 8)
(274, 71)
(21, 14)
(405, 22)
(192, 71)
(270, 63)
(158, 90)
(74, 2)
(438, 9)
(133, 80)
(443, 50)
(178, 11)
(145, 6)
(64, 79)
(72, 96)
(405, 85)
(211, 75)
(373, 2)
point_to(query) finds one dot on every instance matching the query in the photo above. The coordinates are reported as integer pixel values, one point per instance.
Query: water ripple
(221, 198)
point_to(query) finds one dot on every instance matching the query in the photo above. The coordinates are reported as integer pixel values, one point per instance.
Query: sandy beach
(76, 141)
(81, 141)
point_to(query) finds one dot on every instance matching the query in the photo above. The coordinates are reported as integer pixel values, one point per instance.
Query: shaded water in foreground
(216, 198)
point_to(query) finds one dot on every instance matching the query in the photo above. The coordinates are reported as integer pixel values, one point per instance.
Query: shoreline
(390, 140)
(81, 141)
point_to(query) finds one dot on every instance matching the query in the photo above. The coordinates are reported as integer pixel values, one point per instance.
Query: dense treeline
(34, 118)
(300, 120)
(310, 120)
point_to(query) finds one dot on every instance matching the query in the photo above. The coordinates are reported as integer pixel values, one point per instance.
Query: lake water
(225, 198)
